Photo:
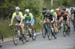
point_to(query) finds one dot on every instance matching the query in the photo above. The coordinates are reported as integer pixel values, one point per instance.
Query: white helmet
(52, 10)
(17, 8)
(27, 10)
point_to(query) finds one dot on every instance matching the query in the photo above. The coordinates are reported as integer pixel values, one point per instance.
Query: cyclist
(29, 18)
(68, 17)
(72, 10)
(48, 18)
(59, 17)
(65, 15)
(18, 16)
(73, 18)
(47, 15)
(55, 26)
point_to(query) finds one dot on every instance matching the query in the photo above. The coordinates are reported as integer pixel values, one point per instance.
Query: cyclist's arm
(55, 16)
(53, 20)
(68, 16)
(12, 19)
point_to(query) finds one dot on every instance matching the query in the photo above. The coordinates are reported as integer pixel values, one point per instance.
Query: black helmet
(64, 9)
(44, 8)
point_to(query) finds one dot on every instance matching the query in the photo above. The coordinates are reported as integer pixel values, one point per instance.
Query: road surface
(59, 43)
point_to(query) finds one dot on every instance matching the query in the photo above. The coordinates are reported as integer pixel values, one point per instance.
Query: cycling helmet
(44, 8)
(52, 10)
(17, 8)
(64, 9)
(27, 10)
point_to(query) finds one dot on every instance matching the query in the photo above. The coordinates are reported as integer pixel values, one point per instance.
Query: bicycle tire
(15, 40)
(49, 35)
(43, 33)
(33, 36)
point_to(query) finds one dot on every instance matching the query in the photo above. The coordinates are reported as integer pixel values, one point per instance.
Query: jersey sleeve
(13, 15)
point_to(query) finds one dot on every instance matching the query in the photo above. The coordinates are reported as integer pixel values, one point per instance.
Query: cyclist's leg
(55, 28)
(64, 28)
(53, 33)
(17, 29)
(32, 24)
(44, 28)
(68, 24)
(60, 23)
(58, 20)
(22, 28)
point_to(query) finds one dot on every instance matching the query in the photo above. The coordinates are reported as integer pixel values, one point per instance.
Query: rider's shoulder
(30, 14)
(14, 12)
(20, 12)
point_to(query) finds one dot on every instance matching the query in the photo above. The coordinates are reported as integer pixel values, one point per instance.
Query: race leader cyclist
(18, 16)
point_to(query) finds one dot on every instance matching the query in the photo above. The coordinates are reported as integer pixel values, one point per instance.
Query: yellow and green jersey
(17, 16)
(28, 17)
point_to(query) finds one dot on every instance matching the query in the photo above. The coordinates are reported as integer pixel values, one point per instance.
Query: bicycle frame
(30, 31)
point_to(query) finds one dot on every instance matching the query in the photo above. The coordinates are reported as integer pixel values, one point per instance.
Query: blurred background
(35, 6)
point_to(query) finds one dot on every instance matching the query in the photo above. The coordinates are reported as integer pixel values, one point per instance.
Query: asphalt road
(40, 43)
